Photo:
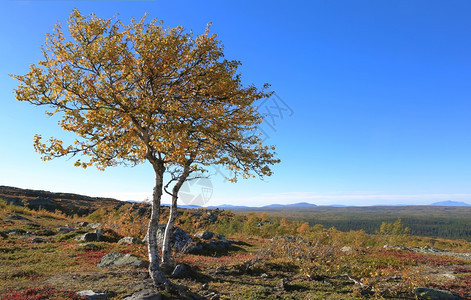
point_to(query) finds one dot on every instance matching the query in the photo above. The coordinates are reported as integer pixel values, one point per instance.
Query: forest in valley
(431, 221)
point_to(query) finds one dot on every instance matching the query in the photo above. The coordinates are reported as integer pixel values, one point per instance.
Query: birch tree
(145, 93)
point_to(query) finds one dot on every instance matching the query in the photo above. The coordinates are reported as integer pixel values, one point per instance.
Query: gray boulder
(182, 271)
(146, 294)
(99, 233)
(217, 245)
(88, 237)
(129, 240)
(180, 239)
(82, 224)
(91, 295)
(434, 294)
(37, 240)
(209, 241)
(119, 259)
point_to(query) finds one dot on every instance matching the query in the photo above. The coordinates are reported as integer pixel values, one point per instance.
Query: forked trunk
(157, 275)
(167, 261)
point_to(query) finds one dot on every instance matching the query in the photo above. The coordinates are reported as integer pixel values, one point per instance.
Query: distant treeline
(430, 221)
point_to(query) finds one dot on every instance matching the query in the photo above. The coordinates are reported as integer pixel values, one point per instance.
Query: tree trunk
(158, 277)
(167, 261)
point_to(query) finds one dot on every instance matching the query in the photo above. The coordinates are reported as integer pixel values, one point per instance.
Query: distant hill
(271, 206)
(228, 206)
(450, 203)
(301, 204)
(65, 202)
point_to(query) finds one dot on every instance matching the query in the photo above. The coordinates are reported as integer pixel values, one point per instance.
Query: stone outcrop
(434, 294)
(129, 240)
(92, 295)
(146, 294)
(119, 259)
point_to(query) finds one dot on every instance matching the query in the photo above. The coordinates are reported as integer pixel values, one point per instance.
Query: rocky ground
(49, 253)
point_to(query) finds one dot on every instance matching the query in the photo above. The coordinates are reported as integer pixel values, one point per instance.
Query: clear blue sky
(378, 93)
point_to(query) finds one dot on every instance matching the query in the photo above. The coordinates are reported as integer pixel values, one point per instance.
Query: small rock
(129, 240)
(46, 232)
(346, 249)
(91, 295)
(264, 275)
(212, 217)
(16, 231)
(146, 294)
(82, 224)
(65, 229)
(17, 217)
(182, 271)
(37, 240)
(283, 285)
(394, 278)
(434, 294)
(89, 246)
(119, 259)
(88, 237)
(449, 276)
(94, 225)
(426, 249)
(99, 233)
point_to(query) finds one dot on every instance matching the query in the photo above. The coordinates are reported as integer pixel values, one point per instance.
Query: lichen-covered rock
(208, 241)
(129, 240)
(119, 259)
(180, 239)
(92, 295)
(434, 294)
(88, 237)
(146, 294)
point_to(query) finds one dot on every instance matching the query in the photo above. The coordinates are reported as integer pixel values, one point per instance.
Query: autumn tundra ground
(270, 258)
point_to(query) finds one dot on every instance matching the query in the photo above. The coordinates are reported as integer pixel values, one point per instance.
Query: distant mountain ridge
(300, 204)
(450, 203)
(270, 206)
